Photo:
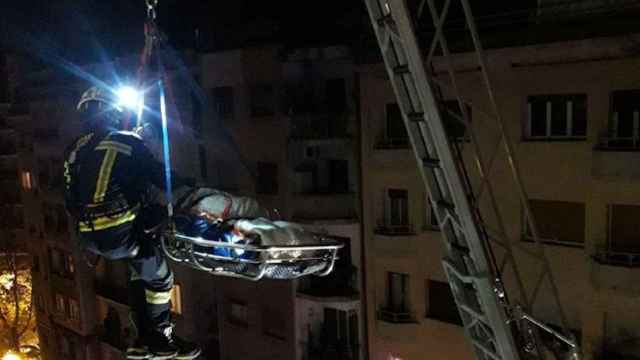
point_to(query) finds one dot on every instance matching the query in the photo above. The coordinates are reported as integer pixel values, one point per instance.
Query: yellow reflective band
(114, 145)
(157, 298)
(105, 175)
(105, 222)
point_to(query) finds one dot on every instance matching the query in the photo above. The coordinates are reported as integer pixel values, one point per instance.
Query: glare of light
(128, 98)
(11, 356)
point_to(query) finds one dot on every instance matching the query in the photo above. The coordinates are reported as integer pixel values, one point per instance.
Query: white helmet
(105, 99)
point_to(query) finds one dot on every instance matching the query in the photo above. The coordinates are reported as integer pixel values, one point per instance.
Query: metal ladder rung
(416, 116)
(401, 70)
(387, 19)
(444, 204)
(431, 163)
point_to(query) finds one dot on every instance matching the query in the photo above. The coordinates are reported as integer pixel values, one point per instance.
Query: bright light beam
(128, 98)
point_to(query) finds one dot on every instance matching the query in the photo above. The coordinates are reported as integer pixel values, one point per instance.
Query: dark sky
(75, 29)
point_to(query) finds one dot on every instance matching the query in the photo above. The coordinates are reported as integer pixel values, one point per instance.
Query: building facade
(571, 113)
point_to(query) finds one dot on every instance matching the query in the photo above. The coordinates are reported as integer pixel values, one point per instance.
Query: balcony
(387, 229)
(319, 126)
(111, 293)
(396, 316)
(616, 271)
(339, 286)
(323, 206)
(613, 155)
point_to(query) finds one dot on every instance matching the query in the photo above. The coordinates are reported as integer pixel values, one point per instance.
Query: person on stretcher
(220, 216)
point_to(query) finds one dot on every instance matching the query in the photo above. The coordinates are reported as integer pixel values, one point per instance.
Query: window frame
(569, 101)
(526, 237)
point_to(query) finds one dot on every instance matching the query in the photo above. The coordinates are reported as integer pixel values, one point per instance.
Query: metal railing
(619, 142)
(384, 228)
(396, 316)
(617, 258)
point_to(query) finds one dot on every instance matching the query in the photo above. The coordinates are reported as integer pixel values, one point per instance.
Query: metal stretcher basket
(257, 261)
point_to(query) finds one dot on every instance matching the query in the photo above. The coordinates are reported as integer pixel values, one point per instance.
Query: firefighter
(109, 174)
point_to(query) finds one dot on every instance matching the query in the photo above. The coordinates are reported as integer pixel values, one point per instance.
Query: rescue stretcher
(263, 261)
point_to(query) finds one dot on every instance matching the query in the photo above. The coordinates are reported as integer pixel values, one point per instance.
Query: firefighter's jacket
(107, 178)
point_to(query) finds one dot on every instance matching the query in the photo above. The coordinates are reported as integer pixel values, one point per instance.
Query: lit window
(176, 299)
(27, 180)
(60, 304)
(74, 310)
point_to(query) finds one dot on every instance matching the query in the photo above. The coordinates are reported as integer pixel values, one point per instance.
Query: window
(440, 303)
(222, 100)
(624, 228)
(176, 299)
(398, 210)
(273, 322)
(336, 95)
(624, 126)
(397, 292)
(74, 310)
(341, 327)
(396, 133)
(202, 156)
(196, 114)
(60, 304)
(56, 261)
(61, 216)
(69, 265)
(65, 346)
(26, 180)
(262, 100)
(557, 117)
(338, 176)
(452, 118)
(39, 300)
(36, 264)
(569, 231)
(267, 179)
(238, 313)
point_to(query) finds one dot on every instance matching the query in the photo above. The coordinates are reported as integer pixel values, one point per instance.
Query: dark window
(397, 292)
(222, 101)
(398, 212)
(396, 131)
(624, 228)
(340, 328)
(336, 96)
(267, 181)
(557, 116)
(624, 125)
(453, 120)
(196, 114)
(570, 230)
(339, 176)
(56, 261)
(273, 322)
(202, 156)
(262, 100)
(36, 264)
(237, 313)
(61, 216)
(441, 304)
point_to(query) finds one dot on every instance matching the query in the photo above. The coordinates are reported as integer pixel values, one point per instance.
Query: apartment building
(294, 117)
(294, 120)
(571, 108)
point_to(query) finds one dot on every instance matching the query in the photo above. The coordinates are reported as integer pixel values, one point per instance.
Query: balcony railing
(387, 143)
(396, 317)
(319, 126)
(384, 228)
(625, 143)
(617, 258)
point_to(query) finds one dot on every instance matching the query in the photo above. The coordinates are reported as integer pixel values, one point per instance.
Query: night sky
(77, 29)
